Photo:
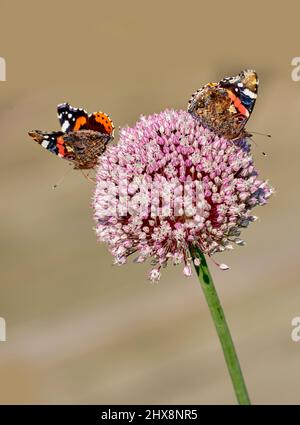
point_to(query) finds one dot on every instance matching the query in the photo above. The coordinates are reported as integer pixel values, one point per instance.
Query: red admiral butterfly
(83, 137)
(225, 107)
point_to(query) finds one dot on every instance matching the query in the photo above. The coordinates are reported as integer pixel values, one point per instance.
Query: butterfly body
(225, 107)
(83, 137)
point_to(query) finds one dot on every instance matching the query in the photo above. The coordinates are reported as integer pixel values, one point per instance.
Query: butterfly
(226, 106)
(83, 137)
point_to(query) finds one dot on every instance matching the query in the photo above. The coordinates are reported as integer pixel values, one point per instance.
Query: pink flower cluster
(171, 150)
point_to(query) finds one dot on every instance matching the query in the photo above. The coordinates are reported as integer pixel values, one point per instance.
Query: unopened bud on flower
(154, 275)
(187, 271)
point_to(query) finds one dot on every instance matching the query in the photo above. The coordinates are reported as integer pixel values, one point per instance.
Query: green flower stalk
(222, 328)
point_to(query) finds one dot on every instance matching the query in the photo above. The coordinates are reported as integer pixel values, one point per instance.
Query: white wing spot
(250, 93)
(45, 143)
(65, 126)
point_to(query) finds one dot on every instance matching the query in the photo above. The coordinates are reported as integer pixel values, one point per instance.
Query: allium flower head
(170, 183)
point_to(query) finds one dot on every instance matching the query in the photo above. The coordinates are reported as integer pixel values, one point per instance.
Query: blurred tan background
(80, 330)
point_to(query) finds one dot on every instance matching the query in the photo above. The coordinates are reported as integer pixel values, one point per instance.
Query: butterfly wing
(71, 119)
(242, 91)
(244, 86)
(101, 122)
(88, 146)
(74, 119)
(55, 143)
(210, 106)
(225, 107)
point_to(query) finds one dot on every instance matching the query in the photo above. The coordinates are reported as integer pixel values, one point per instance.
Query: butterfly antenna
(55, 186)
(262, 152)
(87, 176)
(260, 134)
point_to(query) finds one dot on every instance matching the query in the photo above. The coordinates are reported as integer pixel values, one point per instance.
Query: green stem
(218, 316)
